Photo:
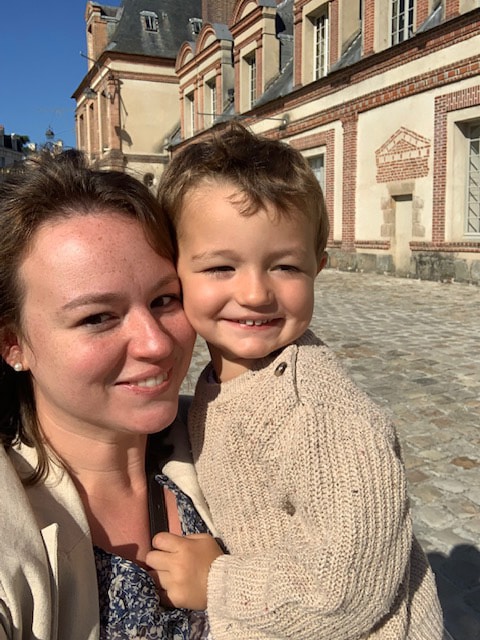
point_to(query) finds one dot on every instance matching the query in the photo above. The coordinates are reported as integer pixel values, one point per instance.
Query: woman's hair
(39, 192)
(264, 171)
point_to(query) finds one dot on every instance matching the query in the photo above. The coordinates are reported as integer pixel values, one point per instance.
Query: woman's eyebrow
(108, 297)
(90, 298)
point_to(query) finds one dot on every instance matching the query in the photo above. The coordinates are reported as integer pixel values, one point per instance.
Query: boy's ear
(322, 262)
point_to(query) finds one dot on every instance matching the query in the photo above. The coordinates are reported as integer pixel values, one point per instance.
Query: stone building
(127, 103)
(11, 150)
(382, 97)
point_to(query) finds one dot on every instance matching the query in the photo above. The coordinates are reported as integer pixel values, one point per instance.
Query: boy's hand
(180, 566)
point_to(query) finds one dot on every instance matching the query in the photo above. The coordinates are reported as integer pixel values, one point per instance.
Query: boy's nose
(254, 291)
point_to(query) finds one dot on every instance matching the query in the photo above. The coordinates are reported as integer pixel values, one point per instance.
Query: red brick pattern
(349, 152)
(298, 44)
(452, 8)
(404, 156)
(369, 27)
(422, 11)
(443, 105)
(324, 139)
(334, 52)
(217, 11)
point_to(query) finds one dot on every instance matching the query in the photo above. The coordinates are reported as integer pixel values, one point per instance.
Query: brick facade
(380, 115)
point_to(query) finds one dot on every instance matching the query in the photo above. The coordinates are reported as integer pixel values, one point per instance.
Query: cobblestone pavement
(414, 346)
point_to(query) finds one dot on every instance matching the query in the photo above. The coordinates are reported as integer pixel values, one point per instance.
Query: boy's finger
(165, 541)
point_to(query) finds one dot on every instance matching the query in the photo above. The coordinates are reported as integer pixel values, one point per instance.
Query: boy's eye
(287, 267)
(219, 269)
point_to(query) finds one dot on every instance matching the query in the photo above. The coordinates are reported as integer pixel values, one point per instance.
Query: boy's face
(248, 282)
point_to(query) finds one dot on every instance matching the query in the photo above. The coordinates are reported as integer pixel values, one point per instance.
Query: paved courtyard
(415, 348)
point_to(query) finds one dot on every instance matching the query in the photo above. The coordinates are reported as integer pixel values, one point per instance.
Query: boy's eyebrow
(217, 253)
(296, 251)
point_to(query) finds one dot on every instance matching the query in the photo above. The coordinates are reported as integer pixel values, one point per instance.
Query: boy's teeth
(251, 323)
(152, 382)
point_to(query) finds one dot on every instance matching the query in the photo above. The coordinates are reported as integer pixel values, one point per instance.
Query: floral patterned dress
(129, 603)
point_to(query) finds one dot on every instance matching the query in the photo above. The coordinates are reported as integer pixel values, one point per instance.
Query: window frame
(312, 158)
(150, 21)
(400, 33)
(211, 99)
(471, 183)
(190, 114)
(321, 43)
(251, 67)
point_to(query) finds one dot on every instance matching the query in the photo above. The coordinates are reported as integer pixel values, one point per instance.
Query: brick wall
(422, 12)
(443, 105)
(217, 11)
(324, 139)
(349, 152)
(369, 26)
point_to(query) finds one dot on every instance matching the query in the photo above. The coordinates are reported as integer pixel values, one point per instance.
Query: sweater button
(280, 370)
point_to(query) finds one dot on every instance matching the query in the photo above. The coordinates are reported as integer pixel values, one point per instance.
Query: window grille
(402, 20)
(150, 20)
(212, 89)
(472, 219)
(320, 48)
(317, 163)
(190, 115)
(195, 25)
(252, 79)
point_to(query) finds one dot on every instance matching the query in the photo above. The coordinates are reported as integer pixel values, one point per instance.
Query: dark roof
(352, 54)
(222, 32)
(433, 20)
(282, 85)
(174, 28)
(285, 17)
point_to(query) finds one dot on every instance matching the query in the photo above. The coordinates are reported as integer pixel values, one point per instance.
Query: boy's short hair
(264, 171)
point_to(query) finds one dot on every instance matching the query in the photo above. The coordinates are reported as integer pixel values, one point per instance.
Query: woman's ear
(11, 350)
(322, 261)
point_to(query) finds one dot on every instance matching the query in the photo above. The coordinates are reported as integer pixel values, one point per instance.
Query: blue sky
(41, 66)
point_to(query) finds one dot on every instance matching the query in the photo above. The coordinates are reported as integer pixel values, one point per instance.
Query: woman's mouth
(147, 383)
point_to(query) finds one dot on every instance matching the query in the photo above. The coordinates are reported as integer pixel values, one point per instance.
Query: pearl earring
(18, 366)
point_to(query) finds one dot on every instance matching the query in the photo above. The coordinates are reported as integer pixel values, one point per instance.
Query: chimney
(217, 11)
(97, 36)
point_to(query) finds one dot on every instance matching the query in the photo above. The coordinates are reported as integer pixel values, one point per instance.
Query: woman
(94, 346)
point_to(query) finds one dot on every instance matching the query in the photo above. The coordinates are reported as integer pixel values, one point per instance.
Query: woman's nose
(148, 339)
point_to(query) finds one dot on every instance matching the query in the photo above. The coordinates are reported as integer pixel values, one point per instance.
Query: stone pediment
(405, 155)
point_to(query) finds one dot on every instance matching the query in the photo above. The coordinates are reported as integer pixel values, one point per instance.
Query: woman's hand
(180, 566)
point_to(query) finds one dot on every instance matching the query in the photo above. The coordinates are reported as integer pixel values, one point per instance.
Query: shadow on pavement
(458, 582)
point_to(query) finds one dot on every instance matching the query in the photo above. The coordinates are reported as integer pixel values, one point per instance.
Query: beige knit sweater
(303, 477)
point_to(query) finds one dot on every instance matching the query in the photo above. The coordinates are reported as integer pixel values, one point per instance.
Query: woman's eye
(96, 319)
(164, 301)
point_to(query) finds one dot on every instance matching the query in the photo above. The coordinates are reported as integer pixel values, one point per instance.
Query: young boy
(301, 471)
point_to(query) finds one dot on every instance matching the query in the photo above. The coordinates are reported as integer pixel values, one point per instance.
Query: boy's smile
(247, 280)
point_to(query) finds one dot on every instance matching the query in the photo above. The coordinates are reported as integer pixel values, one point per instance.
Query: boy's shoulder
(310, 349)
(322, 379)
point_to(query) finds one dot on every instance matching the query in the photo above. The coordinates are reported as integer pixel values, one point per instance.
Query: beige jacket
(48, 583)
(305, 483)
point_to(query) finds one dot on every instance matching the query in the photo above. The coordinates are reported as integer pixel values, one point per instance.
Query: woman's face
(105, 336)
